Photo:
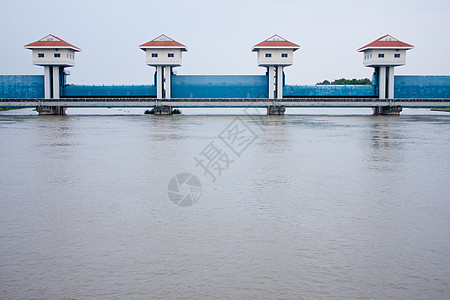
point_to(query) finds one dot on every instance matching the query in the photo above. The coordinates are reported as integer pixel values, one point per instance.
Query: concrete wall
(219, 86)
(21, 86)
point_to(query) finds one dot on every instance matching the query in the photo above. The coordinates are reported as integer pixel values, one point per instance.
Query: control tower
(275, 53)
(54, 54)
(384, 54)
(163, 53)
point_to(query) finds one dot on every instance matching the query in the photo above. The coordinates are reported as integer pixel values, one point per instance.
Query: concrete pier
(387, 110)
(51, 110)
(162, 109)
(276, 110)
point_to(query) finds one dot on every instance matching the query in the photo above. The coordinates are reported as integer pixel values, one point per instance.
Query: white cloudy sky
(220, 34)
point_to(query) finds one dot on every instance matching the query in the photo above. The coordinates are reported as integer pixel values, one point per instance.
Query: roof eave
(53, 47)
(387, 48)
(162, 47)
(256, 48)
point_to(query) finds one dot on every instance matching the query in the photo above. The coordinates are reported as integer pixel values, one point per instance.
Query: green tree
(344, 81)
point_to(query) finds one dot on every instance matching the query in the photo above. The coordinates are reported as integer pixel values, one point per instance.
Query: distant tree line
(343, 81)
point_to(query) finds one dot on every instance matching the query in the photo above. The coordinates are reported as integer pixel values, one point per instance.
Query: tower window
(284, 55)
(40, 55)
(170, 55)
(268, 54)
(154, 54)
(57, 55)
(397, 55)
(381, 55)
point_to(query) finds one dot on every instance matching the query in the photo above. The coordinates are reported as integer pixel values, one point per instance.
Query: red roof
(276, 41)
(51, 41)
(386, 41)
(163, 41)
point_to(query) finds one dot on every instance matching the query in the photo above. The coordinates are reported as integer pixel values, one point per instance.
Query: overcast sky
(219, 35)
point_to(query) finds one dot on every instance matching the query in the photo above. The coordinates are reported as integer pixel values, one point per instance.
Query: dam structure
(388, 94)
(54, 54)
(383, 55)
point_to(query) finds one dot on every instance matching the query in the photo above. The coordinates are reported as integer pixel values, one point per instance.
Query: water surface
(317, 206)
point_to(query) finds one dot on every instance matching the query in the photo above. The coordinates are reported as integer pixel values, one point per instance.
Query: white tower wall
(384, 57)
(47, 57)
(275, 57)
(163, 57)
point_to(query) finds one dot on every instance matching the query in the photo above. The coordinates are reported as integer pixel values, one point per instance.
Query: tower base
(387, 110)
(162, 110)
(51, 110)
(276, 110)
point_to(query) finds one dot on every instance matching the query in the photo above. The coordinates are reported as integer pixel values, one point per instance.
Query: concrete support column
(168, 81)
(55, 82)
(51, 110)
(391, 83)
(387, 110)
(271, 78)
(162, 110)
(276, 110)
(382, 83)
(47, 87)
(159, 82)
(279, 82)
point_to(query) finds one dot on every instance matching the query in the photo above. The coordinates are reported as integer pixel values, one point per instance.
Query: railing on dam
(226, 102)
